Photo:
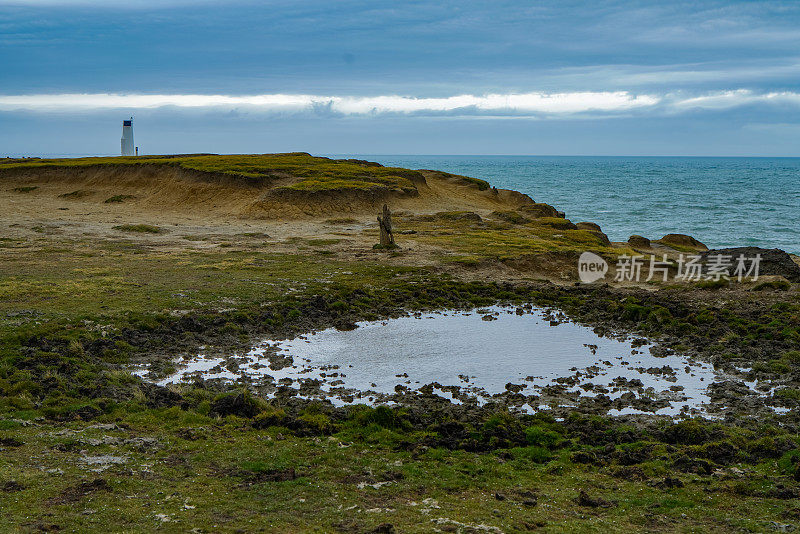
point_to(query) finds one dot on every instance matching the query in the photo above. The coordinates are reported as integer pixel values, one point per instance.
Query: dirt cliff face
(268, 186)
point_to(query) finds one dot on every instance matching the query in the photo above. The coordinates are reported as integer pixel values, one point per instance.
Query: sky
(417, 77)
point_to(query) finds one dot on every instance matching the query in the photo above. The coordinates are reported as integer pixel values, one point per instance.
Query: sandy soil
(196, 214)
(206, 212)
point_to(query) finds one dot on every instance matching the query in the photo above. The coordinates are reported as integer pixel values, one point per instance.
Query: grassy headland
(86, 445)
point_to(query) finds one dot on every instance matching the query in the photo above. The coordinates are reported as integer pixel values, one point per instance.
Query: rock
(589, 226)
(682, 241)
(773, 261)
(603, 238)
(539, 209)
(594, 228)
(512, 217)
(638, 241)
(559, 223)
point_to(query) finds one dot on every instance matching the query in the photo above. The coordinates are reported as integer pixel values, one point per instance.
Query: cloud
(533, 104)
(104, 4)
(522, 103)
(740, 97)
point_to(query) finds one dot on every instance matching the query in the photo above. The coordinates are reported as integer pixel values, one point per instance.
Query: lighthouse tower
(127, 137)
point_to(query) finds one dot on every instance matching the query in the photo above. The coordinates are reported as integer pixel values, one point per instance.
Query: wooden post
(385, 222)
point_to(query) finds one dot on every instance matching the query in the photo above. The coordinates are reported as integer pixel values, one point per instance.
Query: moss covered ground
(87, 446)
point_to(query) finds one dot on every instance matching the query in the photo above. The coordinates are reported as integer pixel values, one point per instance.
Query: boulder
(594, 228)
(559, 223)
(589, 226)
(774, 261)
(680, 241)
(538, 209)
(603, 237)
(638, 241)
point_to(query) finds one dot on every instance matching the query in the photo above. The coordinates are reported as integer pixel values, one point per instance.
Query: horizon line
(54, 155)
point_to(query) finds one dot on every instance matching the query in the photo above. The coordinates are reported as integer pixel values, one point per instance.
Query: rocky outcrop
(773, 261)
(681, 241)
(638, 241)
(594, 229)
(589, 226)
(538, 209)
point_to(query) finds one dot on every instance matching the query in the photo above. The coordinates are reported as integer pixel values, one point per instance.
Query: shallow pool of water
(545, 360)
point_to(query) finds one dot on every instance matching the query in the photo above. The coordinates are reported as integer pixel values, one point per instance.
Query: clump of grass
(344, 220)
(25, 189)
(483, 185)
(259, 235)
(139, 228)
(510, 216)
(788, 393)
(330, 183)
(780, 285)
(458, 216)
(713, 284)
(119, 198)
(79, 193)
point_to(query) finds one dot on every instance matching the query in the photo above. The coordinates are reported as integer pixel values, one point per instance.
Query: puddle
(536, 359)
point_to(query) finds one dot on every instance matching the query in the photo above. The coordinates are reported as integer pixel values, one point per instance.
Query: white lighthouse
(127, 137)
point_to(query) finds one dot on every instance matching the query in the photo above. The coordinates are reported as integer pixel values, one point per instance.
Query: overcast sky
(381, 77)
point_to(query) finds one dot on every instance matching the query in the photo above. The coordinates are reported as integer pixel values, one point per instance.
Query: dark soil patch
(76, 493)
(584, 499)
(11, 486)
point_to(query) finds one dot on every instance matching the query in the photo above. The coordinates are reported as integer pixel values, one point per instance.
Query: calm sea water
(720, 201)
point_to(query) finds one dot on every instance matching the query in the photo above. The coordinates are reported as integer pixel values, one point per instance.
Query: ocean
(723, 202)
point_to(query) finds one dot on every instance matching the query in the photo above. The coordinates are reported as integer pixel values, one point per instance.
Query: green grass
(74, 313)
(74, 195)
(535, 237)
(482, 185)
(25, 189)
(223, 474)
(313, 174)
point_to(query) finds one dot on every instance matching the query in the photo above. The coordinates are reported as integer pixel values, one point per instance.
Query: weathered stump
(385, 222)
